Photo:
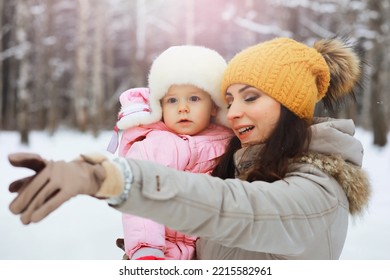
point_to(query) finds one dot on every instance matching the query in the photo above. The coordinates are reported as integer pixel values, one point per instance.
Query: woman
(289, 181)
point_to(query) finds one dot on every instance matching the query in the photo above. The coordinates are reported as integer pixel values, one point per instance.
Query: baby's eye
(171, 100)
(194, 98)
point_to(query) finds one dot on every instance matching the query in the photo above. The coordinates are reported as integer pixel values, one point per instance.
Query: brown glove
(32, 161)
(54, 183)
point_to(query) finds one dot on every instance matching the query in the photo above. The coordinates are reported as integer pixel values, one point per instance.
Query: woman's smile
(244, 130)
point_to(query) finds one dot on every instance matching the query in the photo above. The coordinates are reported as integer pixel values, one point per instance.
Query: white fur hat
(194, 65)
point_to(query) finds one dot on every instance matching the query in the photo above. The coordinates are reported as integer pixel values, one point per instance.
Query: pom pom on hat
(345, 67)
(294, 74)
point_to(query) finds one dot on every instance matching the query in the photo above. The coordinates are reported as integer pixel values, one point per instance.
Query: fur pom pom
(345, 68)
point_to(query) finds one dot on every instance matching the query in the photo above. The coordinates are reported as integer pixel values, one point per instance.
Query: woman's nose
(234, 112)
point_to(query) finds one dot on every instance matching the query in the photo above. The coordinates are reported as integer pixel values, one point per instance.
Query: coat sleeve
(254, 216)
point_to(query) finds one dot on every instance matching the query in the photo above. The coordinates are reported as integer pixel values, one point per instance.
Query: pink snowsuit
(196, 154)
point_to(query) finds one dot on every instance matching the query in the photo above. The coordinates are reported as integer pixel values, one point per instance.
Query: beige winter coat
(304, 216)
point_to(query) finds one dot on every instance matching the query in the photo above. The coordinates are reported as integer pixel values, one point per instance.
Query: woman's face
(252, 114)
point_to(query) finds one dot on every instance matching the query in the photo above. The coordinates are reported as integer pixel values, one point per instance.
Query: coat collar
(350, 177)
(245, 158)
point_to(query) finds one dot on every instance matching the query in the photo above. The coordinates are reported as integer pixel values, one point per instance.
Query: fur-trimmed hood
(351, 178)
(335, 151)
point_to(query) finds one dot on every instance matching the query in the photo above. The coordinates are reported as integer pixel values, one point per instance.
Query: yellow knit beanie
(292, 73)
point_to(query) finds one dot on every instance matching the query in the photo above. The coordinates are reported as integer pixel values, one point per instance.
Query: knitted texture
(292, 73)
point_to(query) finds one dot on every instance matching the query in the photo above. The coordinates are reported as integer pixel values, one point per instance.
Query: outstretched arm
(247, 215)
(57, 181)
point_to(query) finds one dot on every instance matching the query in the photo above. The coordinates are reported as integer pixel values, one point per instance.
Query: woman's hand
(54, 183)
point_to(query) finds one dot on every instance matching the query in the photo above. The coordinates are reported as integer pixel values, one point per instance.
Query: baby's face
(187, 109)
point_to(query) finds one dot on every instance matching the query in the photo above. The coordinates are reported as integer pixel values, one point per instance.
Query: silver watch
(128, 180)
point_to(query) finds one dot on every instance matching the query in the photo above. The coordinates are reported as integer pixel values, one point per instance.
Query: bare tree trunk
(386, 65)
(24, 71)
(1, 63)
(80, 94)
(51, 92)
(190, 22)
(38, 86)
(378, 120)
(111, 104)
(42, 84)
(365, 114)
(97, 110)
(141, 29)
(378, 116)
(136, 70)
(9, 67)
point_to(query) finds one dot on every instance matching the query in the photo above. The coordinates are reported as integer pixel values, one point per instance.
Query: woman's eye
(251, 98)
(229, 102)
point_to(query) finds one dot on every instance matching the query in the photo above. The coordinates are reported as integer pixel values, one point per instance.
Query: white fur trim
(134, 108)
(135, 120)
(134, 115)
(193, 65)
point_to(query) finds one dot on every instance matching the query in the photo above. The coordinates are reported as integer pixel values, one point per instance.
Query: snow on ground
(86, 229)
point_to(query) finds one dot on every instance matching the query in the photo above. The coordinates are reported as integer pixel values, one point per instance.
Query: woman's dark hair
(290, 138)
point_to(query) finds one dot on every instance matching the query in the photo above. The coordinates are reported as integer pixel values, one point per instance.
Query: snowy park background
(86, 229)
(59, 59)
